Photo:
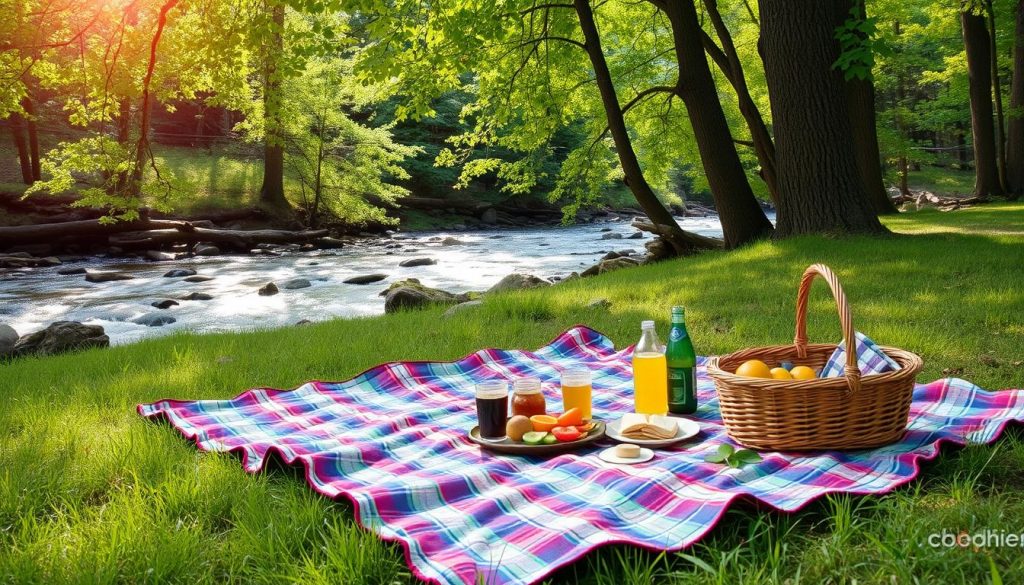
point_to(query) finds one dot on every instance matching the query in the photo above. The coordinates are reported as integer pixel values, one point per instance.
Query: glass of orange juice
(577, 389)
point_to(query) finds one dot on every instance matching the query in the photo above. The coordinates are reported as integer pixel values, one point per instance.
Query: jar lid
(526, 386)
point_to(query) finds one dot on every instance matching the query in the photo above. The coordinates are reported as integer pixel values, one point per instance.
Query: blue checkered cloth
(870, 359)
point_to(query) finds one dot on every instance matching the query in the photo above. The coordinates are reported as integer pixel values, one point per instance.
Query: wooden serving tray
(516, 448)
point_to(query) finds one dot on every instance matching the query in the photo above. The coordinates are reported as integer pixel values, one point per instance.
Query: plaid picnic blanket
(393, 441)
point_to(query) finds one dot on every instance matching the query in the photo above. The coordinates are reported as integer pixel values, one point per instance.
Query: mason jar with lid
(527, 398)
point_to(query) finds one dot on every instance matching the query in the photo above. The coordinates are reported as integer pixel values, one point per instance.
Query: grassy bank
(90, 492)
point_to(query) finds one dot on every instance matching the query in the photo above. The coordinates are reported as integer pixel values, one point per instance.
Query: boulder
(154, 320)
(296, 283)
(270, 289)
(72, 271)
(411, 294)
(60, 337)
(450, 241)
(365, 279)
(158, 256)
(611, 236)
(606, 229)
(461, 307)
(49, 261)
(198, 278)
(516, 281)
(8, 337)
(206, 250)
(610, 265)
(658, 249)
(329, 243)
(197, 296)
(165, 304)
(105, 277)
(611, 256)
(179, 272)
(636, 236)
(417, 262)
(307, 247)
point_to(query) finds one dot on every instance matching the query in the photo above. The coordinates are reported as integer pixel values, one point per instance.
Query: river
(30, 299)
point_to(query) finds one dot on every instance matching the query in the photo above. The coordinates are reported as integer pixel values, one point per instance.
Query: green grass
(941, 181)
(89, 492)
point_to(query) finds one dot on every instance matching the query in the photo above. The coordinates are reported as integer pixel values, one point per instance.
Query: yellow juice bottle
(650, 373)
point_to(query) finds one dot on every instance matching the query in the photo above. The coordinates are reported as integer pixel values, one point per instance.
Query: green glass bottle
(682, 367)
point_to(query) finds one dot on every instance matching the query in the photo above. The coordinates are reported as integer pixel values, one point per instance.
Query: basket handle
(800, 340)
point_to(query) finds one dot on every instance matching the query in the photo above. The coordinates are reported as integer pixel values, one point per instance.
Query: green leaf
(725, 451)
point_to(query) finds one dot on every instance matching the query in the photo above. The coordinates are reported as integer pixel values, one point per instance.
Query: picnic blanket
(393, 441)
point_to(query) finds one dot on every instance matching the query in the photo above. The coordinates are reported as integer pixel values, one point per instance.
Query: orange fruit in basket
(754, 369)
(543, 422)
(803, 373)
(781, 374)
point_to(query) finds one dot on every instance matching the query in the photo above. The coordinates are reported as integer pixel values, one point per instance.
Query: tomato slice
(566, 434)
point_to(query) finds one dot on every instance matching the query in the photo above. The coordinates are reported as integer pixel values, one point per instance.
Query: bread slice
(654, 427)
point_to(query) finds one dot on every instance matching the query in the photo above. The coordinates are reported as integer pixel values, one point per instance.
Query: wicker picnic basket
(851, 412)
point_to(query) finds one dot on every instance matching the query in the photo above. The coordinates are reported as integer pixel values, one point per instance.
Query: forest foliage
(373, 100)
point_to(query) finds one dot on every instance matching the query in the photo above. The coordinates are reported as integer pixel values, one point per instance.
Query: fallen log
(689, 238)
(242, 239)
(84, 229)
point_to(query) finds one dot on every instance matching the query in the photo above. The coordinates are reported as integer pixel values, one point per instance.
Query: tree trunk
(979, 74)
(33, 137)
(1015, 132)
(820, 185)
(272, 190)
(997, 91)
(728, 61)
(682, 242)
(742, 218)
(15, 123)
(861, 96)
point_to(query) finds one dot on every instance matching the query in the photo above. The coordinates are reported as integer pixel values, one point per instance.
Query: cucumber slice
(549, 439)
(534, 437)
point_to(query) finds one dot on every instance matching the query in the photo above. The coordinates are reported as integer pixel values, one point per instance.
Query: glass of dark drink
(492, 409)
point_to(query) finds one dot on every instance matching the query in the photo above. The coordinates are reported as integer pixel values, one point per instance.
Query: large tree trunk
(33, 137)
(272, 190)
(1015, 131)
(979, 74)
(820, 185)
(681, 241)
(861, 95)
(728, 61)
(742, 218)
(17, 127)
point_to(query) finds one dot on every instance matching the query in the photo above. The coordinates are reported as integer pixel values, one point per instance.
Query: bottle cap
(647, 324)
(677, 310)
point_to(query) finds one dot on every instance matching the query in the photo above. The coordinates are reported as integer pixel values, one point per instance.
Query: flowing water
(31, 299)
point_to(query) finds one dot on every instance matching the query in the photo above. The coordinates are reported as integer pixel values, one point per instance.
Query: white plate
(610, 456)
(685, 429)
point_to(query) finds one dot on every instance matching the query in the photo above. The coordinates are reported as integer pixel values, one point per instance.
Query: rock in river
(165, 304)
(72, 271)
(296, 283)
(8, 337)
(417, 262)
(106, 277)
(270, 289)
(197, 296)
(179, 272)
(366, 279)
(609, 265)
(60, 337)
(518, 281)
(154, 320)
(198, 278)
(411, 294)
(611, 236)
(207, 250)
